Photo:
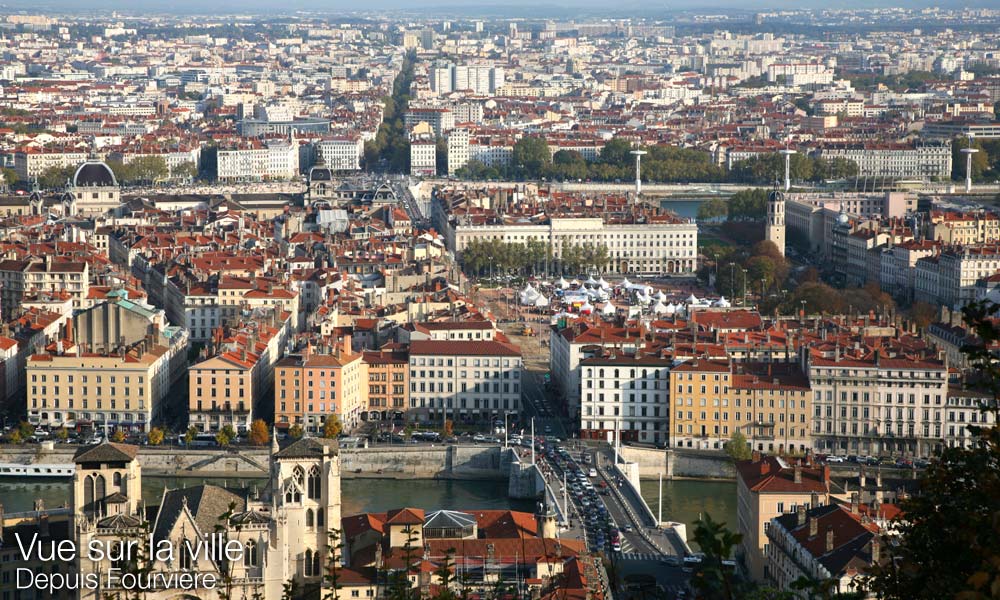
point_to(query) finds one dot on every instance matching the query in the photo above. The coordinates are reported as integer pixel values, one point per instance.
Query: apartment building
(768, 487)
(767, 402)
(311, 387)
(876, 404)
(834, 543)
(625, 395)
(341, 153)
(571, 343)
(440, 120)
(465, 381)
(898, 266)
(229, 388)
(951, 278)
(963, 229)
(894, 161)
(964, 409)
(423, 157)
(113, 369)
(388, 385)
(29, 163)
(256, 161)
(458, 150)
(53, 274)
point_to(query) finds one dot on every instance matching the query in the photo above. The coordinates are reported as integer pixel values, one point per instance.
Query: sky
(513, 7)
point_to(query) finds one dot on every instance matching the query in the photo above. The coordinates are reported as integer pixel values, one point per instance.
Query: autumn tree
(332, 427)
(295, 432)
(155, 436)
(259, 434)
(190, 434)
(118, 436)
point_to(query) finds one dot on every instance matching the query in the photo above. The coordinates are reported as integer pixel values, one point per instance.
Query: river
(685, 500)
(359, 495)
(687, 209)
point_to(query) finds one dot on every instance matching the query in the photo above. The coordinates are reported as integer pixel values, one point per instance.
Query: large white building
(423, 157)
(458, 150)
(950, 278)
(625, 395)
(341, 153)
(894, 161)
(879, 406)
(465, 381)
(258, 162)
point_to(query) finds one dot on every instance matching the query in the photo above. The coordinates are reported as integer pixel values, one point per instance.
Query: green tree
(737, 447)
(55, 177)
(9, 176)
(617, 152)
(295, 432)
(531, 156)
(712, 579)
(225, 436)
(748, 204)
(186, 171)
(332, 427)
(980, 160)
(155, 436)
(948, 544)
(713, 209)
(331, 578)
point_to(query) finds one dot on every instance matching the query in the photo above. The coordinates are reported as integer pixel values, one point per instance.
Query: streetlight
(743, 300)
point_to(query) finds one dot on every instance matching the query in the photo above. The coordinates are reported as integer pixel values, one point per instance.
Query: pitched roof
(771, 475)
(309, 448)
(206, 503)
(105, 452)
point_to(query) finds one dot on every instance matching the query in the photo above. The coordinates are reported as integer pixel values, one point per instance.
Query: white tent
(575, 283)
(590, 281)
(626, 283)
(586, 308)
(659, 308)
(671, 308)
(529, 295)
(562, 283)
(541, 302)
(660, 296)
(603, 284)
(692, 299)
(602, 295)
(722, 302)
(608, 309)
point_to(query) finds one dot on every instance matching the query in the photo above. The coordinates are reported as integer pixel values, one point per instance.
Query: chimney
(878, 478)
(829, 539)
(861, 476)
(797, 471)
(826, 474)
(800, 512)
(814, 500)
(813, 526)
(43, 526)
(854, 503)
(875, 548)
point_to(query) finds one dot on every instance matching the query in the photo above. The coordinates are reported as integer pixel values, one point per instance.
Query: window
(314, 483)
(250, 554)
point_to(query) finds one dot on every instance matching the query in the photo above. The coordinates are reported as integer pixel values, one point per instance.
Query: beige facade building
(768, 487)
(309, 388)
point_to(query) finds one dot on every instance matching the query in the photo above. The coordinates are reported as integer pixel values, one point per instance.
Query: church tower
(305, 486)
(774, 231)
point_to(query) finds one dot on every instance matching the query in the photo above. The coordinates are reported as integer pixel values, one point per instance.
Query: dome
(843, 219)
(319, 171)
(94, 173)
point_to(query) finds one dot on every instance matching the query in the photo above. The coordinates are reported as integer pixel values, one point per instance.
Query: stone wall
(677, 463)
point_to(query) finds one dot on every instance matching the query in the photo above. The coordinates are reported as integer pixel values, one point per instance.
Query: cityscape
(469, 302)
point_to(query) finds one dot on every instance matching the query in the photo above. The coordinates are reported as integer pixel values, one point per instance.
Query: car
(592, 473)
(834, 459)
(671, 561)
(627, 528)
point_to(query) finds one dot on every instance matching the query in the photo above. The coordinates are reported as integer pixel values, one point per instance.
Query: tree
(531, 156)
(295, 432)
(713, 209)
(190, 434)
(259, 435)
(55, 177)
(948, 545)
(449, 428)
(62, 434)
(980, 160)
(186, 170)
(155, 436)
(9, 176)
(712, 579)
(737, 447)
(332, 576)
(617, 152)
(748, 204)
(332, 427)
(225, 436)
(118, 436)
(923, 314)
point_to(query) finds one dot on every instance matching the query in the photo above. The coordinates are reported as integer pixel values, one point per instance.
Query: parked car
(834, 459)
